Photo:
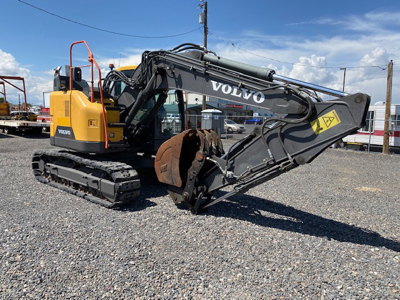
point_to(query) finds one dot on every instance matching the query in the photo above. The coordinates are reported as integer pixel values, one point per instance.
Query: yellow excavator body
(75, 120)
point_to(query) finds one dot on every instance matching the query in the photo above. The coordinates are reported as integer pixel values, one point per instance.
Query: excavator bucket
(168, 158)
(180, 153)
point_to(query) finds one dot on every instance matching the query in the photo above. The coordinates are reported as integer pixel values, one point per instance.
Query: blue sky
(307, 40)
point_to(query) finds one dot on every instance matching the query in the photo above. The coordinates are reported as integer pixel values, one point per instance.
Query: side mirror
(77, 74)
(57, 71)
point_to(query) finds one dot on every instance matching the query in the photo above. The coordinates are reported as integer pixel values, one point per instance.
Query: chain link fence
(194, 121)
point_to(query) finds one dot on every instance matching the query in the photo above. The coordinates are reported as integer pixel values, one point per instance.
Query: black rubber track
(125, 178)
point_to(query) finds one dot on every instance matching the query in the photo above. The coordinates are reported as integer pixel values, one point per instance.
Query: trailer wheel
(37, 130)
(354, 147)
(9, 130)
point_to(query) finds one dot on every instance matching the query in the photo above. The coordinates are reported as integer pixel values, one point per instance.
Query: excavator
(112, 129)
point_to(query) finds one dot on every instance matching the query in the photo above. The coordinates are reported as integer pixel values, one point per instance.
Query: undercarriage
(108, 183)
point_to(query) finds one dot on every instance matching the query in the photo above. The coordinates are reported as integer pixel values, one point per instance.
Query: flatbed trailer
(7, 124)
(15, 126)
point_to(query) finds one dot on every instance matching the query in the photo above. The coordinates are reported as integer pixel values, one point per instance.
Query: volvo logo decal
(64, 131)
(235, 91)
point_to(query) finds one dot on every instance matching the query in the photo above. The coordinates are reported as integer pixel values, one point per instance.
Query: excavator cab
(90, 119)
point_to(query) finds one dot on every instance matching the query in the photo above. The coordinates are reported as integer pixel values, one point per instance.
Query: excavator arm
(267, 152)
(193, 163)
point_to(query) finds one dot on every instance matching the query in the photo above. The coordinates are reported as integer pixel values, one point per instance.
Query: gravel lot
(328, 230)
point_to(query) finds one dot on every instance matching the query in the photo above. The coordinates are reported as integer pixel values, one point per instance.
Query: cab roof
(124, 68)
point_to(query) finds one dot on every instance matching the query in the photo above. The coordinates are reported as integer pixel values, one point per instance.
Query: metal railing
(92, 61)
(194, 121)
(173, 125)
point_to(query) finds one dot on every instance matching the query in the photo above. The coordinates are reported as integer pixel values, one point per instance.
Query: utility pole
(385, 148)
(203, 20)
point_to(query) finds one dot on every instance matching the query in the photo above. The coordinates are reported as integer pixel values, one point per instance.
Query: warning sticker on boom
(325, 122)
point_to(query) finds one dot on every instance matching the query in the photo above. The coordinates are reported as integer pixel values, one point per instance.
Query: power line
(105, 30)
(299, 64)
(232, 44)
(293, 63)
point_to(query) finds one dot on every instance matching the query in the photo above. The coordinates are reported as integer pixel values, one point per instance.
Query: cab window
(119, 86)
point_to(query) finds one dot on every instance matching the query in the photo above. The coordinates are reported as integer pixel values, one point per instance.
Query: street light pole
(344, 76)
(203, 20)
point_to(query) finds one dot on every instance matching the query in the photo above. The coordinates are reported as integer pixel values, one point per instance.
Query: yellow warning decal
(325, 122)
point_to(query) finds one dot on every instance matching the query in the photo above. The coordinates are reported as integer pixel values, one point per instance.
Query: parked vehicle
(44, 115)
(44, 118)
(23, 115)
(173, 117)
(253, 121)
(171, 123)
(35, 110)
(230, 127)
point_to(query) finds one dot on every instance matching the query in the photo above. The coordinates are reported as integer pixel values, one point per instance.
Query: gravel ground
(328, 230)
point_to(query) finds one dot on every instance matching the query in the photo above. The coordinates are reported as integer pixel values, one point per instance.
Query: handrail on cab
(91, 60)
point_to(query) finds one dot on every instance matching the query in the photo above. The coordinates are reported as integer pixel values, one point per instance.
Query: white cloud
(129, 58)
(375, 21)
(321, 21)
(386, 17)
(10, 67)
(364, 46)
(378, 57)
(312, 69)
(35, 85)
(49, 72)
